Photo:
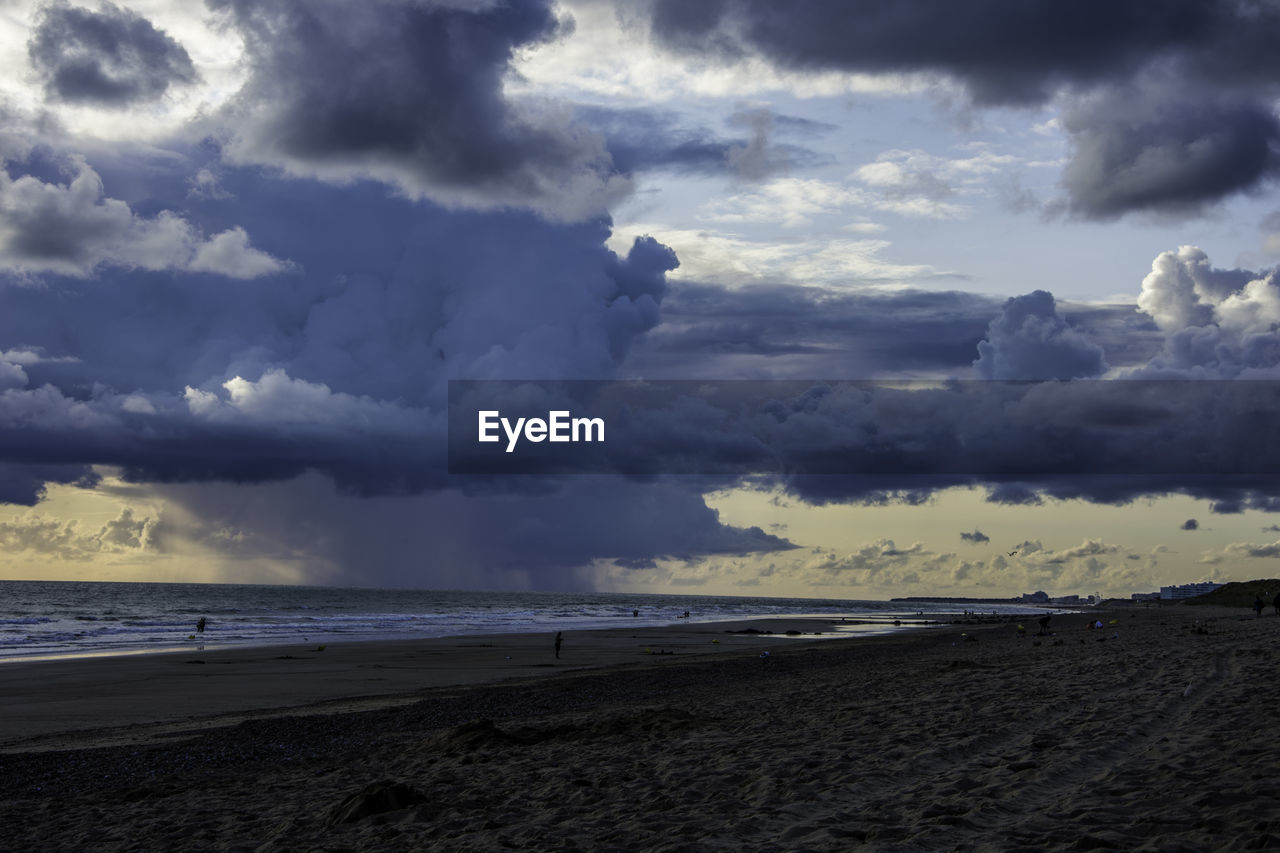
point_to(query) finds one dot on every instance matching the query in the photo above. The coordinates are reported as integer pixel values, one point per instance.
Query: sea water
(72, 618)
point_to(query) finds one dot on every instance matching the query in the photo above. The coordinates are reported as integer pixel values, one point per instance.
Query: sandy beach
(1154, 733)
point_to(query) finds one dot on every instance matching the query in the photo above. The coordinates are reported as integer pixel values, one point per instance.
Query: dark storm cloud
(439, 537)
(365, 448)
(336, 375)
(787, 331)
(1224, 493)
(1107, 442)
(977, 537)
(112, 57)
(200, 399)
(1190, 524)
(428, 115)
(957, 429)
(392, 296)
(1004, 51)
(1171, 105)
(805, 332)
(629, 521)
(1030, 341)
(24, 483)
(175, 377)
(1168, 152)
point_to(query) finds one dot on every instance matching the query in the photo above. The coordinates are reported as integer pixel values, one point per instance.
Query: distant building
(1145, 596)
(1038, 597)
(1186, 590)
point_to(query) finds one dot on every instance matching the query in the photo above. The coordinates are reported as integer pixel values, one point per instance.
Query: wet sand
(64, 701)
(1156, 733)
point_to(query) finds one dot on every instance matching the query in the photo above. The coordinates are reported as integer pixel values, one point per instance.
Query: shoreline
(862, 624)
(45, 698)
(212, 641)
(42, 699)
(48, 622)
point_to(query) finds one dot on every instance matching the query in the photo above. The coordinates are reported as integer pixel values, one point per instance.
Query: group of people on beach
(1258, 604)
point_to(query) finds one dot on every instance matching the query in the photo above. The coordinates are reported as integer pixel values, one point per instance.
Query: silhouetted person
(559, 640)
(1044, 623)
(200, 623)
(1257, 605)
(1276, 603)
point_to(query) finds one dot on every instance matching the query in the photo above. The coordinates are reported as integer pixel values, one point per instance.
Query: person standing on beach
(1276, 603)
(1257, 604)
(200, 623)
(559, 640)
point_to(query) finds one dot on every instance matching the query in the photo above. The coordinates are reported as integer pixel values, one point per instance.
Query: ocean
(73, 618)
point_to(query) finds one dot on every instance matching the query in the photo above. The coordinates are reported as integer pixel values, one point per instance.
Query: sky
(246, 246)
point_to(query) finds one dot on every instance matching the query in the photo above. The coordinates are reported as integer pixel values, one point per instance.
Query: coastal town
(1173, 592)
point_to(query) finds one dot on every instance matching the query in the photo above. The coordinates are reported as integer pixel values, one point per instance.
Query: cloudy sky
(245, 246)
